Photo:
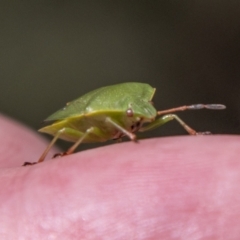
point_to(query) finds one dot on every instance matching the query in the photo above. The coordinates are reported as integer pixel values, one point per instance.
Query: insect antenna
(193, 107)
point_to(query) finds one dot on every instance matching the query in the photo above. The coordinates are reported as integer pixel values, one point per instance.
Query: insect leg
(193, 107)
(121, 129)
(166, 118)
(57, 135)
(97, 133)
(79, 141)
(63, 131)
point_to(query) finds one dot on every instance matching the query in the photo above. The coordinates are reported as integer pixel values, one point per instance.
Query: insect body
(110, 113)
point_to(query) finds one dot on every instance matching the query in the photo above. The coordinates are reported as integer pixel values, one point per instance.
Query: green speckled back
(117, 97)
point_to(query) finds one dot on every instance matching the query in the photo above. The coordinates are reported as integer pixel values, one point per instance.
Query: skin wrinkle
(165, 188)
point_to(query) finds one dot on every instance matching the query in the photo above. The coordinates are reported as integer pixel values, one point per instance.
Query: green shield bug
(112, 112)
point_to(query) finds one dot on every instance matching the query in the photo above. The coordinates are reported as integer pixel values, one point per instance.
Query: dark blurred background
(55, 51)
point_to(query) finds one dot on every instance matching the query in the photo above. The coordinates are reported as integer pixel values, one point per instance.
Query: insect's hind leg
(166, 118)
(62, 131)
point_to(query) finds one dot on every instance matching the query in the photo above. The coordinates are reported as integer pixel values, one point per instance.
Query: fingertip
(19, 143)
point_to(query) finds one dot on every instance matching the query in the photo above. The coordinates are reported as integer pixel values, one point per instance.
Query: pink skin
(166, 188)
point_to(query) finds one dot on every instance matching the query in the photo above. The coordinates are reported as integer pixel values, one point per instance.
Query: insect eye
(129, 112)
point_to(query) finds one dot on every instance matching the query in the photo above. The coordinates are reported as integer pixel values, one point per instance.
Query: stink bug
(112, 112)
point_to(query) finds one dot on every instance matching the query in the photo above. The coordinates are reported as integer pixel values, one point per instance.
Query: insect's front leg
(166, 118)
(121, 129)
